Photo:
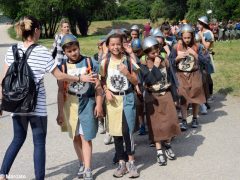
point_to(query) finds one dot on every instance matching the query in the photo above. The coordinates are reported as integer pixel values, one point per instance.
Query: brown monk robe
(190, 80)
(160, 108)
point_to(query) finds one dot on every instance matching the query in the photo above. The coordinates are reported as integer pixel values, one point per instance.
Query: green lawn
(227, 59)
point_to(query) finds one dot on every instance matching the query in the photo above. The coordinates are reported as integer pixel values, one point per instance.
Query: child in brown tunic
(185, 57)
(160, 108)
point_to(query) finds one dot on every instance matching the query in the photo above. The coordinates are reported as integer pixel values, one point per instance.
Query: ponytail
(26, 26)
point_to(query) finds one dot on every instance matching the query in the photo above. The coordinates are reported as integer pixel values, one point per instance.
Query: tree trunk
(83, 25)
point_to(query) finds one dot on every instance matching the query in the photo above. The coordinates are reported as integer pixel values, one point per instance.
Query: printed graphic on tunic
(118, 82)
(78, 87)
(163, 83)
(187, 64)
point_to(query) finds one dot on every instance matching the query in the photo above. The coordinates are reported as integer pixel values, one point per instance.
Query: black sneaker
(169, 152)
(183, 125)
(195, 123)
(152, 144)
(207, 105)
(142, 130)
(161, 158)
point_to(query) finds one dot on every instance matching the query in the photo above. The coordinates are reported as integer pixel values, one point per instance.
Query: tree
(168, 9)
(221, 9)
(157, 10)
(136, 9)
(9, 7)
(49, 12)
(80, 13)
(196, 8)
(108, 12)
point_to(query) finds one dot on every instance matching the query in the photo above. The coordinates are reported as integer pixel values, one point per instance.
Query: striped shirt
(41, 62)
(60, 56)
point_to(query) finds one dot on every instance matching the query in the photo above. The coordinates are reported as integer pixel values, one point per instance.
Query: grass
(12, 33)
(227, 54)
(227, 60)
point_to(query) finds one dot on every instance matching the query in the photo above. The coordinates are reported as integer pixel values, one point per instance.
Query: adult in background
(147, 29)
(57, 51)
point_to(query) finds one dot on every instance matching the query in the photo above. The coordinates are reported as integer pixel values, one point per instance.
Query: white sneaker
(107, 139)
(101, 128)
(81, 171)
(203, 109)
(88, 175)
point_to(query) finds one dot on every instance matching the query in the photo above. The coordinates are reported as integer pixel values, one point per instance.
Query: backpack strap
(25, 55)
(15, 52)
(89, 65)
(29, 50)
(129, 64)
(106, 64)
(65, 83)
(178, 47)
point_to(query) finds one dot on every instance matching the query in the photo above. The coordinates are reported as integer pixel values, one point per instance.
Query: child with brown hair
(80, 104)
(118, 76)
(160, 108)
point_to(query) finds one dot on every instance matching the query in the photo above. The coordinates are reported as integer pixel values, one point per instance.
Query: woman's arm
(65, 77)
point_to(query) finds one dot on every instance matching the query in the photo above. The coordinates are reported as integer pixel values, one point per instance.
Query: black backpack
(19, 91)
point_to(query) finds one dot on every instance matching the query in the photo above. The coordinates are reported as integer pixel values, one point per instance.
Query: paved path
(210, 152)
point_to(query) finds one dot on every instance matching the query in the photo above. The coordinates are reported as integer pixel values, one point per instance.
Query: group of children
(130, 81)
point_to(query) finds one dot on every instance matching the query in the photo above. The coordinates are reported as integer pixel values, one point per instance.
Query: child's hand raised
(127, 48)
(157, 61)
(123, 69)
(181, 55)
(191, 51)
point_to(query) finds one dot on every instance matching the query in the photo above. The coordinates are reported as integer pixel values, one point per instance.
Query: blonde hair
(64, 20)
(25, 27)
